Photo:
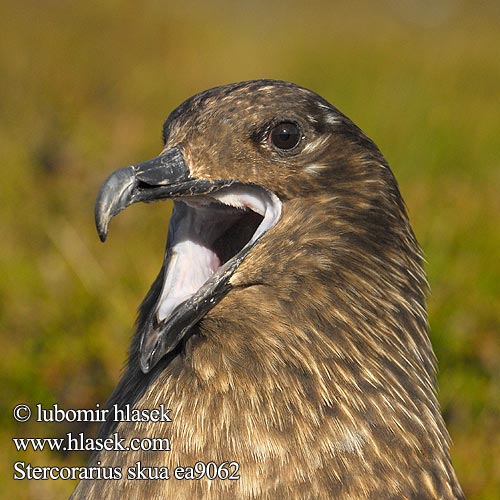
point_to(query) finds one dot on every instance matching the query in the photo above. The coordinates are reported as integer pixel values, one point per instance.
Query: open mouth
(208, 235)
(213, 227)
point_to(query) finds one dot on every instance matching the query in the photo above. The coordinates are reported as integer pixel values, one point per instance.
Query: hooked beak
(161, 178)
(213, 227)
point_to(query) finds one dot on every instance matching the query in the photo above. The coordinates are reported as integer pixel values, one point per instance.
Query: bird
(286, 336)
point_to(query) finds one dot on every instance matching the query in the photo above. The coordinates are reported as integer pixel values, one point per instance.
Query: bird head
(244, 163)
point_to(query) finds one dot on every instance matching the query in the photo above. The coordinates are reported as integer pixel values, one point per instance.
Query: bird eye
(285, 135)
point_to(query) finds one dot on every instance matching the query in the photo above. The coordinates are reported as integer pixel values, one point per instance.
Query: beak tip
(146, 364)
(101, 224)
(150, 351)
(115, 194)
(103, 235)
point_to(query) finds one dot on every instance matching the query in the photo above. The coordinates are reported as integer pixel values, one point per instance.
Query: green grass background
(85, 87)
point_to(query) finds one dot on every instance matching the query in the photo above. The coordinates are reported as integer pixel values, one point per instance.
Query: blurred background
(85, 87)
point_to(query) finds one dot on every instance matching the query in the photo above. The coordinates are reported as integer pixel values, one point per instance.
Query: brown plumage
(303, 354)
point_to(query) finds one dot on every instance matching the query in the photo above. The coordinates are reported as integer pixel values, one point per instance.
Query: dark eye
(285, 135)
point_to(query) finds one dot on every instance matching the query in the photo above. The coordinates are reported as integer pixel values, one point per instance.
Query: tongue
(190, 265)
